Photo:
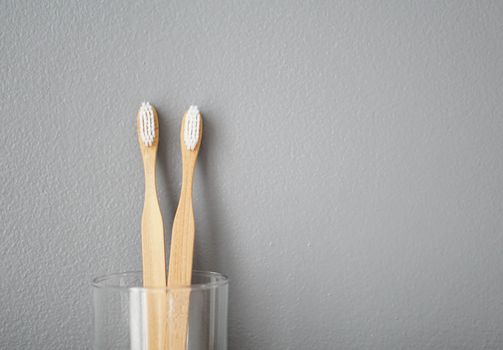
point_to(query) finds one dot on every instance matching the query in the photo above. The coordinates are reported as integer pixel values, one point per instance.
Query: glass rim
(220, 280)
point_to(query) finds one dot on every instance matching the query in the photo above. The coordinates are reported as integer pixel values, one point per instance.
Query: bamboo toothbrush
(152, 230)
(182, 238)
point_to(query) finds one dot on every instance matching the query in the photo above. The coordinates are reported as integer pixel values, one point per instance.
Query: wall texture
(350, 179)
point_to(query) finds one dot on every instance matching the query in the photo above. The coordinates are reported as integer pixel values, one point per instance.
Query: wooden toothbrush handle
(153, 259)
(182, 246)
(156, 319)
(182, 238)
(155, 277)
(180, 273)
(153, 253)
(177, 319)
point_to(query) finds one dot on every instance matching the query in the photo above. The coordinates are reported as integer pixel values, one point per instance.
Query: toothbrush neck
(149, 159)
(188, 176)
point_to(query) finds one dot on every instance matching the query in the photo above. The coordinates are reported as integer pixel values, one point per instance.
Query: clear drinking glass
(129, 316)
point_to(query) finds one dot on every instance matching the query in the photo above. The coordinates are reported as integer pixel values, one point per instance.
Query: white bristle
(147, 124)
(191, 128)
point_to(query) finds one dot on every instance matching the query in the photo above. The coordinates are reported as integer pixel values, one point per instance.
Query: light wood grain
(152, 241)
(182, 250)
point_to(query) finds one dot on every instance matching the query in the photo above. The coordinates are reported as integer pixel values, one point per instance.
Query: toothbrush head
(147, 124)
(192, 128)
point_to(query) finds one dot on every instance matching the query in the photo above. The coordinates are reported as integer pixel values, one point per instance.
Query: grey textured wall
(350, 179)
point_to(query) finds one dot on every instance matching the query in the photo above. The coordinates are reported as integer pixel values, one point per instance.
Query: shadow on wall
(210, 252)
(210, 202)
(214, 247)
